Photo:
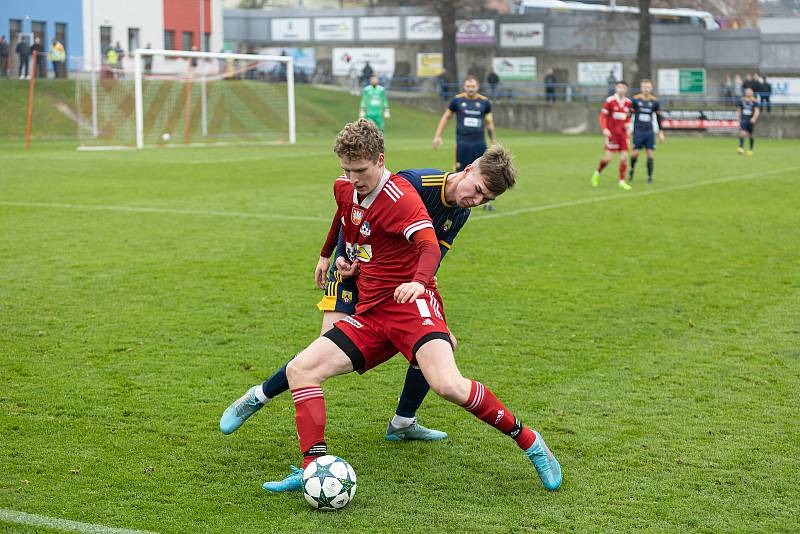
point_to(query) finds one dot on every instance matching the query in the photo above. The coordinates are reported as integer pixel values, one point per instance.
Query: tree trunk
(449, 48)
(643, 53)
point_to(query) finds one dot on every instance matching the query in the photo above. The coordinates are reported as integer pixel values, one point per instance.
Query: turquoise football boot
(292, 482)
(414, 431)
(237, 413)
(545, 463)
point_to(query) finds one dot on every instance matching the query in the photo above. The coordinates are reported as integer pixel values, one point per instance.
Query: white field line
(21, 518)
(623, 195)
(142, 209)
(268, 216)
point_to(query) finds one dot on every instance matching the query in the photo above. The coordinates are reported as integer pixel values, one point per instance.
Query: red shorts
(618, 142)
(372, 337)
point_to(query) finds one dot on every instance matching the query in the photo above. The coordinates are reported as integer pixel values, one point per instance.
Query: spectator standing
(366, 74)
(550, 86)
(766, 94)
(57, 56)
(442, 80)
(41, 59)
(737, 87)
(24, 52)
(728, 90)
(611, 81)
(352, 78)
(148, 62)
(193, 60)
(494, 81)
(748, 83)
(111, 61)
(3, 57)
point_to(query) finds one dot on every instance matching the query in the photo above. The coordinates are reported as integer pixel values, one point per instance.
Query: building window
(207, 42)
(14, 29)
(105, 39)
(188, 37)
(133, 40)
(61, 33)
(169, 39)
(39, 30)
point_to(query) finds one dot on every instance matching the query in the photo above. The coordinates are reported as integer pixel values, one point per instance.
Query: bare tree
(644, 54)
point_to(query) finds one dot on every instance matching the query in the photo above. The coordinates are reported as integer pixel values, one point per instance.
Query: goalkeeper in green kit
(374, 104)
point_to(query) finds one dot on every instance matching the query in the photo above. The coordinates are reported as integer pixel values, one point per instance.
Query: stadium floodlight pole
(290, 94)
(93, 74)
(137, 76)
(203, 106)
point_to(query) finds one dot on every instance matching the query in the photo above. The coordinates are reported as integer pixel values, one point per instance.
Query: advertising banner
(379, 28)
(423, 28)
(700, 120)
(515, 68)
(380, 59)
(681, 81)
(333, 29)
(597, 73)
(429, 64)
(291, 29)
(479, 31)
(524, 35)
(785, 90)
(304, 58)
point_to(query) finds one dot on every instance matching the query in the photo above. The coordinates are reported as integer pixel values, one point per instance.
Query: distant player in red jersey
(615, 119)
(388, 232)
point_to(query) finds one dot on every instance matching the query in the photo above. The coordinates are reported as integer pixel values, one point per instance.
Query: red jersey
(616, 114)
(377, 233)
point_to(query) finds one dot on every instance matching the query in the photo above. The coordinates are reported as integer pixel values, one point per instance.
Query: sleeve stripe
(415, 227)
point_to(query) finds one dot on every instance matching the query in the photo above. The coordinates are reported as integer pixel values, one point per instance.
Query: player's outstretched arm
(437, 137)
(324, 262)
(490, 128)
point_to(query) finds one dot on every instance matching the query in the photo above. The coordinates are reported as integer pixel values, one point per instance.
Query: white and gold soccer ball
(329, 483)
(166, 137)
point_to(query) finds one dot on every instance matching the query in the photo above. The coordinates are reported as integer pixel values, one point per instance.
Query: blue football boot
(414, 431)
(292, 482)
(237, 413)
(545, 463)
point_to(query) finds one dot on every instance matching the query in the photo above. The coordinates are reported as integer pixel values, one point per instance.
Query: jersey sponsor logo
(463, 104)
(349, 319)
(447, 225)
(356, 215)
(472, 122)
(365, 229)
(620, 115)
(347, 297)
(358, 252)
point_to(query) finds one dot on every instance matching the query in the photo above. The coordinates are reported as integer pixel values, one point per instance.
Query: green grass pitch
(653, 337)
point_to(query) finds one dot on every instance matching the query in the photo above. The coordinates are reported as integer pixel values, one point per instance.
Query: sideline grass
(652, 341)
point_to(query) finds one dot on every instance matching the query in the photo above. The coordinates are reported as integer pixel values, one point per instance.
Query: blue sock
(752, 142)
(741, 142)
(414, 391)
(276, 384)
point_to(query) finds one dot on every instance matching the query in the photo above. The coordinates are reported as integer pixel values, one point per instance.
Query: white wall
(147, 15)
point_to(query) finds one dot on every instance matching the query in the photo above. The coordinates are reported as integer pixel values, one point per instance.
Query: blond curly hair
(359, 140)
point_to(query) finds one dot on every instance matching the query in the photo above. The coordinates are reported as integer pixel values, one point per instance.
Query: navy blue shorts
(644, 140)
(466, 153)
(341, 294)
(747, 127)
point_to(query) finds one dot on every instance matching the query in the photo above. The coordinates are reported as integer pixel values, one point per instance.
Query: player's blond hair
(496, 165)
(359, 140)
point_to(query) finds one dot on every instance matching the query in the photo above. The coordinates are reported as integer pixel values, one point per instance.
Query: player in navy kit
(747, 114)
(473, 113)
(646, 124)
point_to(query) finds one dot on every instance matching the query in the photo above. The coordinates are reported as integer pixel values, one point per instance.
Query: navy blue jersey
(747, 109)
(470, 117)
(645, 111)
(447, 220)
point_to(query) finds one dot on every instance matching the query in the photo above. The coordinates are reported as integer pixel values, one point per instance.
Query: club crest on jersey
(447, 225)
(347, 297)
(365, 229)
(356, 215)
(358, 252)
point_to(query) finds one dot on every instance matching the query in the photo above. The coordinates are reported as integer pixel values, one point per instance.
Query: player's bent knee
(454, 389)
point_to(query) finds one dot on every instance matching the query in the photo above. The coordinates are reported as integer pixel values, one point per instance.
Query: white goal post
(140, 64)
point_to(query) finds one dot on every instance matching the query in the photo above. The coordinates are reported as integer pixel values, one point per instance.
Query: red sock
(485, 406)
(309, 405)
(623, 166)
(602, 166)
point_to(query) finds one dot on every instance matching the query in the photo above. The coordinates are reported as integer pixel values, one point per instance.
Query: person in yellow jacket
(57, 56)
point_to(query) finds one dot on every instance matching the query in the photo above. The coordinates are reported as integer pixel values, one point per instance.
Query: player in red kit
(388, 232)
(615, 119)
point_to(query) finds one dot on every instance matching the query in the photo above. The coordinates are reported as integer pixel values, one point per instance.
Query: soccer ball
(166, 137)
(329, 483)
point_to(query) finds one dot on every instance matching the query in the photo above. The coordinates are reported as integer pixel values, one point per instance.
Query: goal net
(160, 98)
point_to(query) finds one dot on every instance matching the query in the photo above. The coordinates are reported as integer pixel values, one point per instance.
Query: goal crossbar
(138, 75)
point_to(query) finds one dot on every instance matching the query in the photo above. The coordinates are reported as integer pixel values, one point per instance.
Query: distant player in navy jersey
(646, 124)
(473, 113)
(747, 113)
(447, 197)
